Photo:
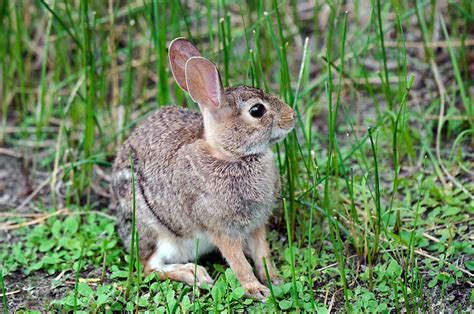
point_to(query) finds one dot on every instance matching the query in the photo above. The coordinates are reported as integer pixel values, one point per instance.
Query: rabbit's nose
(290, 115)
(286, 122)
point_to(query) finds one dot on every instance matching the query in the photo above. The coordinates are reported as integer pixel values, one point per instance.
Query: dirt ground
(36, 290)
(14, 185)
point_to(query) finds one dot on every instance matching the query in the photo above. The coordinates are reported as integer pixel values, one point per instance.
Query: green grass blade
(61, 22)
(133, 231)
(4, 293)
(292, 255)
(270, 286)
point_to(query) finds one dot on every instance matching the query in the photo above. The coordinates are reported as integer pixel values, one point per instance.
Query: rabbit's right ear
(204, 83)
(179, 52)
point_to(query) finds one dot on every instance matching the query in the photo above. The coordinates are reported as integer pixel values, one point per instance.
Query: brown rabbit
(206, 176)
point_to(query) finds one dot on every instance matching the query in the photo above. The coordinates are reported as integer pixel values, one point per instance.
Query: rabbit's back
(159, 137)
(154, 148)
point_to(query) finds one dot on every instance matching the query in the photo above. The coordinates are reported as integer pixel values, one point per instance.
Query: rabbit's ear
(179, 52)
(204, 82)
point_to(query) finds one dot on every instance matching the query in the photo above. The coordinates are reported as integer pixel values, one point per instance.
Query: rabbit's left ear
(204, 83)
(179, 52)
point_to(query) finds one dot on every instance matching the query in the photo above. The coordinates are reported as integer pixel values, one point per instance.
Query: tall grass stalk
(342, 54)
(78, 274)
(131, 255)
(40, 110)
(178, 302)
(186, 22)
(259, 43)
(327, 204)
(396, 151)
(270, 286)
(128, 90)
(4, 52)
(88, 63)
(294, 290)
(299, 120)
(159, 30)
(20, 64)
(137, 263)
(395, 293)
(252, 72)
(291, 145)
(310, 244)
(57, 157)
(361, 55)
(353, 215)
(114, 73)
(196, 256)
(224, 41)
(404, 84)
(260, 76)
(424, 30)
(466, 100)
(58, 18)
(332, 162)
(285, 78)
(4, 293)
(410, 257)
(104, 260)
(210, 29)
(386, 84)
(378, 207)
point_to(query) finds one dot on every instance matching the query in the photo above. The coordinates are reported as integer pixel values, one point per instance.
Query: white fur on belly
(178, 251)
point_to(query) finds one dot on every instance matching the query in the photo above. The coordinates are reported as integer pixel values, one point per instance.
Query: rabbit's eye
(257, 110)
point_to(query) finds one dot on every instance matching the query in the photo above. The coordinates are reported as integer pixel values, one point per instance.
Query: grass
(4, 295)
(377, 194)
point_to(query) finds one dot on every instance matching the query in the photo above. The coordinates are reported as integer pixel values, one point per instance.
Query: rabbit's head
(238, 121)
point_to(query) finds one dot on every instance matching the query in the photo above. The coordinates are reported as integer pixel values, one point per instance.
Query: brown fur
(259, 250)
(192, 177)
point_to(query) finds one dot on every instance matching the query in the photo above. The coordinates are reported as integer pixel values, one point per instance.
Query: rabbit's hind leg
(186, 273)
(170, 262)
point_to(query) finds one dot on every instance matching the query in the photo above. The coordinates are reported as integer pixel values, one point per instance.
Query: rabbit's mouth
(279, 134)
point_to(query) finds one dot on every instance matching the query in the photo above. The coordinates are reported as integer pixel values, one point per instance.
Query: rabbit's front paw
(276, 280)
(256, 290)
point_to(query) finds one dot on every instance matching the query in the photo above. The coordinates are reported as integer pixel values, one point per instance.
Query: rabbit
(205, 180)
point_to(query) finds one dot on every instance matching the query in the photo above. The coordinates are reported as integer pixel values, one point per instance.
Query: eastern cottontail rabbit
(208, 176)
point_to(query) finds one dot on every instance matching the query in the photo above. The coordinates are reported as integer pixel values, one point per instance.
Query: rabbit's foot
(186, 273)
(256, 290)
(275, 279)
(191, 271)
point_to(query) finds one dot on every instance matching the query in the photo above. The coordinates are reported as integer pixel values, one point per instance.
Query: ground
(377, 177)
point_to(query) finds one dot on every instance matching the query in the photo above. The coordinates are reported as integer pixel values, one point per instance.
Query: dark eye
(257, 110)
